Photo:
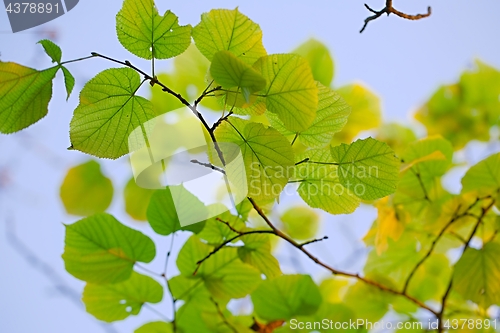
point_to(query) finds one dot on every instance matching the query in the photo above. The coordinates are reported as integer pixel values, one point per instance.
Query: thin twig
(208, 165)
(313, 241)
(229, 226)
(389, 9)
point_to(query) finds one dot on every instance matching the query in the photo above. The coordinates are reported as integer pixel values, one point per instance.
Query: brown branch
(229, 226)
(313, 241)
(389, 9)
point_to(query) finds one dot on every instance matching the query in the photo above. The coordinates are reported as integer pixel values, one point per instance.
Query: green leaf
(24, 95)
(108, 113)
(223, 29)
(101, 250)
(366, 112)
(286, 297)
(216, 232)
(477, 275)
(319, 59)
(52, 50)
(291, 91)
(229, 72)
(163, 214)
(300, 223)
(367, 302)
(156, 327)
(136, 200)
(397, 136)
(145, 33)
(69, 81)
(331, 117)
(267, 155)
(223, 274)
(257, 252)
(484, 176)
(112, 302)
(367, 167)
(85, 190)
(320, 186)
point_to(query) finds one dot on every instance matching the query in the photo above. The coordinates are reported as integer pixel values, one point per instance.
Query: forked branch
(389, 9)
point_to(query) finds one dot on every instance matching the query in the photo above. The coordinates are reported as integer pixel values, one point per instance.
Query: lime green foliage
(320, 60)
(331, 116)
(320, 186)
(229, 72)
(85, 190)
(300, 222)
(145, 33)
(52, 50)
(24, 95)
(230, 30)
(136, 200)
(430, 253)
(477, 275)
(99, 249)
(162, 213)
(267, 154)
(112, 302)
(368, 167)
(290, 92)
(108, 112)
(286, 297)
(365, 114)
(464, 111)
(155, 327)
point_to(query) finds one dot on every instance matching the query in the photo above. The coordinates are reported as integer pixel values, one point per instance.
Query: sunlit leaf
(477, 275)
(367, 167)
(136, 200)
(223, 29)
(85, 190)
(69, 81)
(257, 252)
(24, 95)
(300, 223)
(320, 60)
(163, 215)
(52, 50)
(484, 176)
(112, 302)
(101, 250)
(286, 297)
(145, 33)
(291, 91)
(155, 327)
(267, 155)
(331, 117)
(365, 114)
(108, 112)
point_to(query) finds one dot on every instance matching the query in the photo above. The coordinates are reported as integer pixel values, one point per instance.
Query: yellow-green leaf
(484, 176)
(24, 95)
(99, 249)
(108, 112)
(85, 190)
(257, 252)
(291, 91)
(112, 302)
(145, 33)
(156, 327)
(300, 223)
(224, 29)
(136, 200)
(319, 59)
(52, 50)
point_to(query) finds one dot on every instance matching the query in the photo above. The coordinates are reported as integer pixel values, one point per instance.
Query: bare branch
(389, 9)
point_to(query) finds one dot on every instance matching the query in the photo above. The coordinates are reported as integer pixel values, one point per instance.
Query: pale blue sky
(402, 61)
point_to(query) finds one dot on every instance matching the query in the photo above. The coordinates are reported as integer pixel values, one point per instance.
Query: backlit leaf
(223, 29)
(69, 81)
(484, 176)
(155, 327)
(267, 155)
(52, 50)
(291, 91)
(331, 117)
(108, 112)
(112, 302)
(477, 275)
(257, 252)
(85, 190)
(24, 95)
(145, 33)
(320, 60)
(286, 297)
(136, 200)
(101, 250)
(300, 223)
(368, 167)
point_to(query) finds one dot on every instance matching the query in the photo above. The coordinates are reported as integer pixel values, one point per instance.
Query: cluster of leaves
(280, 110)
